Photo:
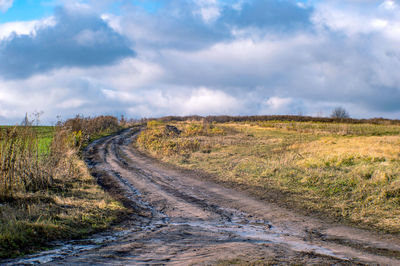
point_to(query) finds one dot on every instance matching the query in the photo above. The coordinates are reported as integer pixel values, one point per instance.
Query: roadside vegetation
(46, 191)
(343, 168)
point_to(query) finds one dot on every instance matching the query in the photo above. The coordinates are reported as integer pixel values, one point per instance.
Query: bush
(86, 128)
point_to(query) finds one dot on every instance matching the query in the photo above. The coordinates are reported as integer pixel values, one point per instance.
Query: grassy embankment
(350, 172)
(46, 191)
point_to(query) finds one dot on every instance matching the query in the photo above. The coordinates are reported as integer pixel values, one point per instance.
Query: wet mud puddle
(237, 228)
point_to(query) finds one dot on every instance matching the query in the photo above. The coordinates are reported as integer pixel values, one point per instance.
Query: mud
(181, 219)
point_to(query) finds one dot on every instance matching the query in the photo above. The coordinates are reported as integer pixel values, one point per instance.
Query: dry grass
(72, 208)
(86, 129)
(344, 129)
(46, 191)
(169, 143)
(348, 171)
(21, 162)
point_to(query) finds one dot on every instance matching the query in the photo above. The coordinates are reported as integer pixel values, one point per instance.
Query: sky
(151, 58)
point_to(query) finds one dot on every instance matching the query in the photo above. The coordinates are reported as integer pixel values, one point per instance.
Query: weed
(46, 191)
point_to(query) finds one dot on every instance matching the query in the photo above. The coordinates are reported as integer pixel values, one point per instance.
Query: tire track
(181, 219)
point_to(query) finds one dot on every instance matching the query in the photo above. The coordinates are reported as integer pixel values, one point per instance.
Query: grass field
(68, 205)
(350, 172)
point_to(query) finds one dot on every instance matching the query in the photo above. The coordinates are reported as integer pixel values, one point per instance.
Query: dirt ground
(180, 218)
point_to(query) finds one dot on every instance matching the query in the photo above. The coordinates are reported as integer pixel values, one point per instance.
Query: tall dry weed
(25, 166)
(22, 166)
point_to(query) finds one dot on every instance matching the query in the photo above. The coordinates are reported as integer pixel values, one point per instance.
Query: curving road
(180, 219)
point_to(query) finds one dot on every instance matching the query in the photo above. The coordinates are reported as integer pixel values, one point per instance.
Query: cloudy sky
(147, 58)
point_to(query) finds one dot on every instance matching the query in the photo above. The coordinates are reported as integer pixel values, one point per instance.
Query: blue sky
(146, 58)
(25, 10)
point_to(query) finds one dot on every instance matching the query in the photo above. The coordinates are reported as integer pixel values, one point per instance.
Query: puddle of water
(63, 249)
(238, 228)
(49, 256)
(258, 231)
(73, 247)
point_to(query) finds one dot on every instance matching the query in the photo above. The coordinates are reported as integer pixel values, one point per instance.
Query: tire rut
(180, 219)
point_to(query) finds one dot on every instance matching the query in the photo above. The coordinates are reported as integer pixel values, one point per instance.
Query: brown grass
(46, 192)
(350, 175)
(21, 164)
(86, 129)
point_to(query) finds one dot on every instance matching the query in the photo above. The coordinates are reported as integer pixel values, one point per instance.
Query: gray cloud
(77, 39)
(179, 24)
(175, 26)
(244, 60)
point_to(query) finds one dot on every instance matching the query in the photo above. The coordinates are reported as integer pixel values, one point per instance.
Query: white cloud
(204, 101)
(243, 62)
(78, 5)
(25, 27)
(113, 21)
(209, 10)
(5, 5)
(129, 74)
(61, 92)
(176, 101)
(389, 5)
(277, 103)
(71, 103)
(356, 19)
(379, 23)
(337, 19)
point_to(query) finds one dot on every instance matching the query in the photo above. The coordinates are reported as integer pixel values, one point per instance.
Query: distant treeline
(257, 118)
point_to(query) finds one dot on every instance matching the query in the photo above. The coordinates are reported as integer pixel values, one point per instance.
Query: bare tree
(37, 115)
(340, 112)
(26, 122)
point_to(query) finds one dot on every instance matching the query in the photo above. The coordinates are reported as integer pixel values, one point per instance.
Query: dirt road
(182, 220)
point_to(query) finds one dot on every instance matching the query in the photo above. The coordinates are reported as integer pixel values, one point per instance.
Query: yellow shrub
(154, 123)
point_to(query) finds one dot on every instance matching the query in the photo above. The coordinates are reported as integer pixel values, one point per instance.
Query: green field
(349, 172)
(45, 134)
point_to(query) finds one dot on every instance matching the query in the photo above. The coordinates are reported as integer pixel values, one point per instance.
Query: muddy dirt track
(180, 219)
